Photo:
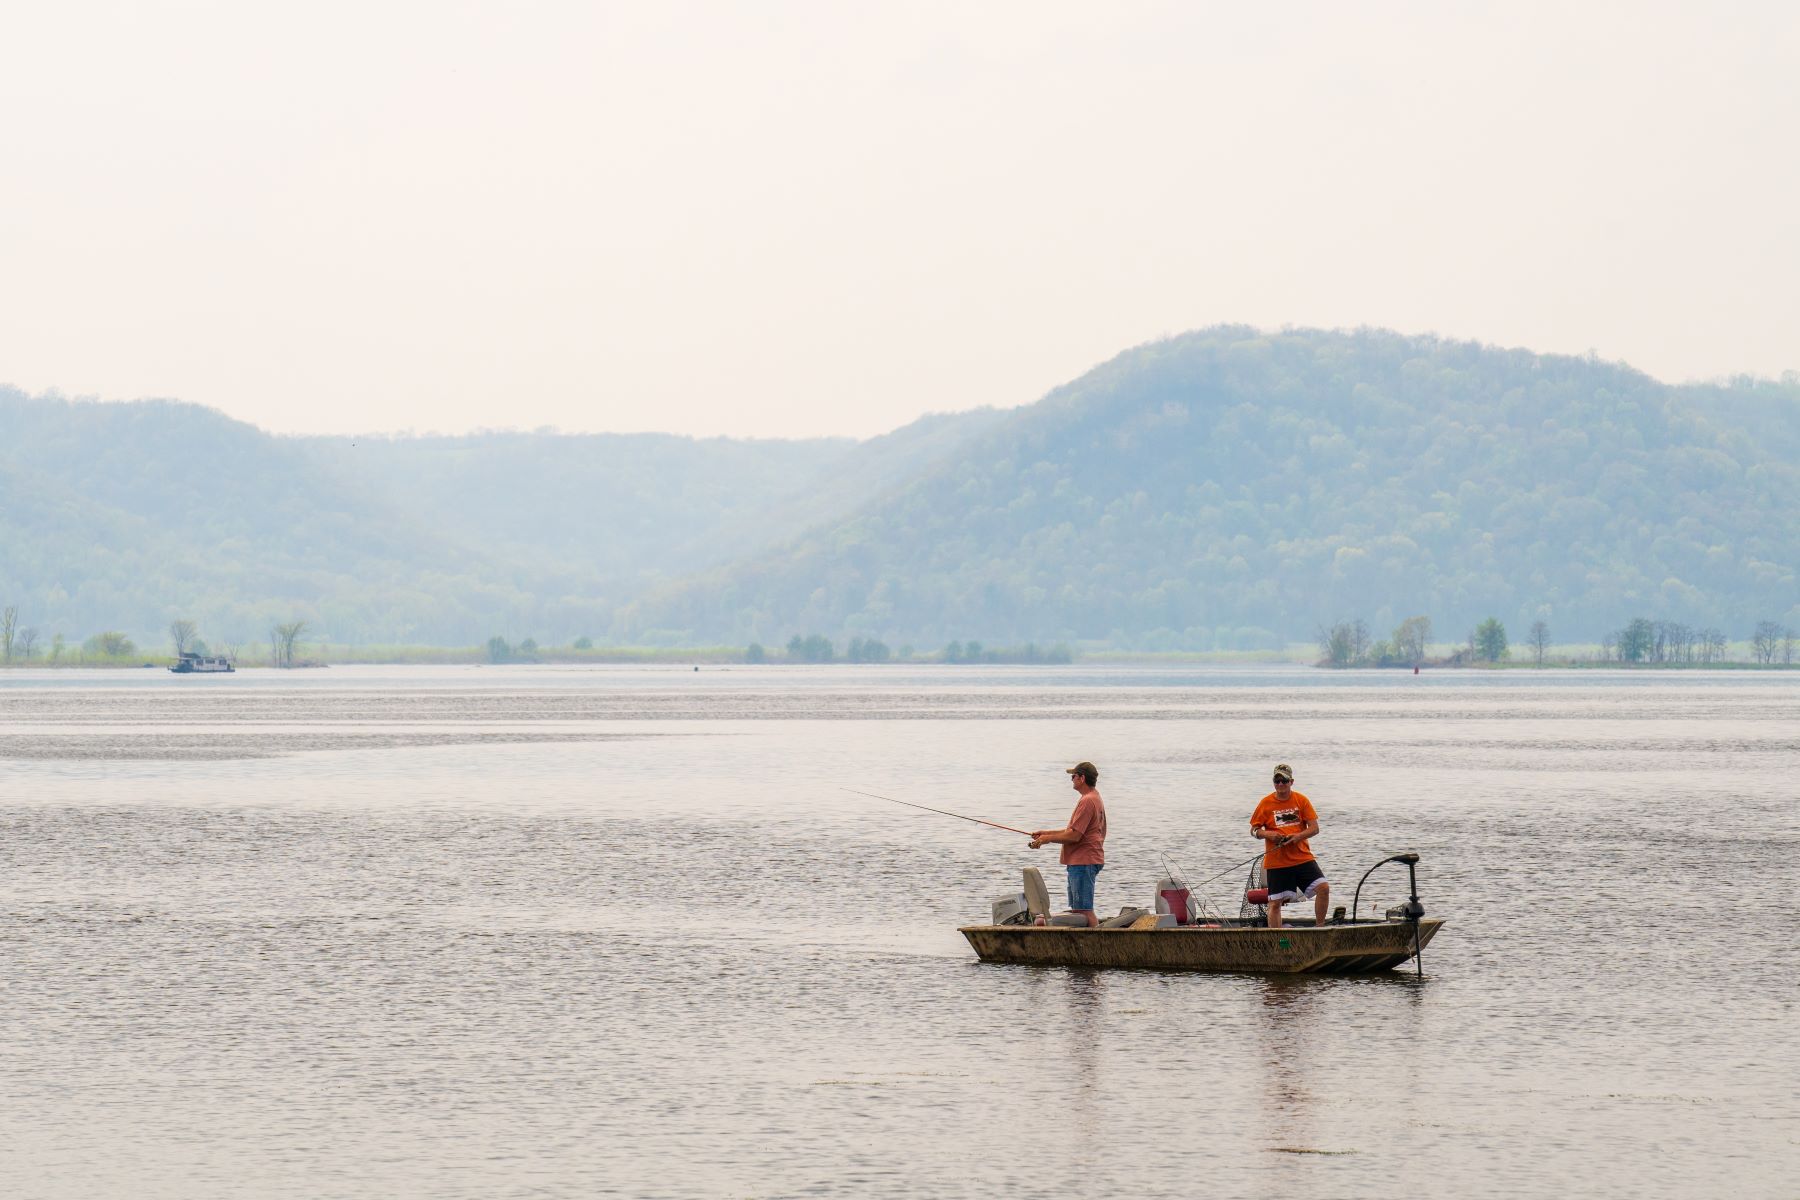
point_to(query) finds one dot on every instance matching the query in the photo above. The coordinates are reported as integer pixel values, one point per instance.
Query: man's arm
(1080, 821)
(1310, 829)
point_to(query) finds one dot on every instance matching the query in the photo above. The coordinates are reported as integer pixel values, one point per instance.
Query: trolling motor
(1412, 910)
(1409, 912)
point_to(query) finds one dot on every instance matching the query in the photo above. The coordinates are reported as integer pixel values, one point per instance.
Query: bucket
(1172, 898)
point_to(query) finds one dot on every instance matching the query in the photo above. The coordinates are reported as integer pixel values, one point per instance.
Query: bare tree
(1411, 637)
(182, 633)
(1764, 641)
(9, 630)
(1359, 639)
(283, 637)
(1540, 640)
(1787, 646)
(26, 643)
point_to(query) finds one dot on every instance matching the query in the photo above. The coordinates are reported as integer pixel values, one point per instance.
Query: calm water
(539, 932)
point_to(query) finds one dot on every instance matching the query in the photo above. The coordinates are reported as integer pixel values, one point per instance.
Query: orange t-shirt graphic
(1288, 816)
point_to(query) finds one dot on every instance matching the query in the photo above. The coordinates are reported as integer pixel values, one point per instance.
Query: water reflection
(1289, 1013)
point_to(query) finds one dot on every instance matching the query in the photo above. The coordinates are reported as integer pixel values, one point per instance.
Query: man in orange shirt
(1082, 841)
(1285, 819)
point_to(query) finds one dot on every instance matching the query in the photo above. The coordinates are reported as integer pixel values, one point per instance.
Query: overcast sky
(784, 219)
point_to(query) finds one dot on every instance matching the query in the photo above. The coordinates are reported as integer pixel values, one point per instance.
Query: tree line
(25, 645)
(1641, 640)
(817, 648)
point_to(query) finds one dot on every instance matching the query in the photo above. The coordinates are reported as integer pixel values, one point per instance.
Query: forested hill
(1230, 488)
(126, 516)
(1223, 489)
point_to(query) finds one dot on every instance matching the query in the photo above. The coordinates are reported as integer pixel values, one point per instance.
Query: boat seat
(1124, 919)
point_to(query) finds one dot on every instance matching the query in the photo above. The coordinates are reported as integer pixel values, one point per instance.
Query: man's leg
(1274, 907)
(1081, 893)
(1321, 902)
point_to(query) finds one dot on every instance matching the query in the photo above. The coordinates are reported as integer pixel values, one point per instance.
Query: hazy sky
(780, 219)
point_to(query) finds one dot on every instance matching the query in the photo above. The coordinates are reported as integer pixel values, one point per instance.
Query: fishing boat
(1341, 946)
(1353, 947)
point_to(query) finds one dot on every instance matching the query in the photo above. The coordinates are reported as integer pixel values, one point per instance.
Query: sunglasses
(1281, 779)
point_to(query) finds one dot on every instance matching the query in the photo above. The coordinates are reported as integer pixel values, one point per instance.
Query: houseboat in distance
(197, 664)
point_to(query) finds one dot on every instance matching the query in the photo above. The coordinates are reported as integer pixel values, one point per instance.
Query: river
(516, 931)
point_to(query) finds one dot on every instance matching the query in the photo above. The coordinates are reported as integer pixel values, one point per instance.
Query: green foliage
(110, 644)
(1636, 640)
(1657, 641)
(1490, 640)
(1222, 490)
(583, 643)
(499, 650)
(118, 515)
(1411, 637)
(1030, 652)
(867, 650)
(754, 653)
(1344, 644)
(1226, 488)
(814, 648)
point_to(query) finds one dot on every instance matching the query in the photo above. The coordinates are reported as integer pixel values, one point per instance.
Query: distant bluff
(1235, 488)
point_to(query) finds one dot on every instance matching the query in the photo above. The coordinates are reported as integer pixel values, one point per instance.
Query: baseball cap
(1283, 771)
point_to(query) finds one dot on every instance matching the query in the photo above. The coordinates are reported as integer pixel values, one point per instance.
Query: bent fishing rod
(946, 812)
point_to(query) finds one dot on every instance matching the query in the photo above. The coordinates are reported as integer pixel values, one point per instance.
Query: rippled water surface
(543, 932)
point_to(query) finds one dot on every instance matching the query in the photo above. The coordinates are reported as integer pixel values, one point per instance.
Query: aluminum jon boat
(1350, 948)
(1245, 943)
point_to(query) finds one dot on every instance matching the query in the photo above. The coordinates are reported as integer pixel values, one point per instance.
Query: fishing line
(1179, 880)
(1231, 868)
(946, 812)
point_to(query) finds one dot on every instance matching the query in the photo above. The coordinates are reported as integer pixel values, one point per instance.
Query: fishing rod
(1230, 869)
(946, 812)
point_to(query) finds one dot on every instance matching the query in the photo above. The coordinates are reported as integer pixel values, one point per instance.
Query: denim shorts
(1081, 885)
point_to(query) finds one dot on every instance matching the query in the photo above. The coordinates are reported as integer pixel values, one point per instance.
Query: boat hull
(1348, 949)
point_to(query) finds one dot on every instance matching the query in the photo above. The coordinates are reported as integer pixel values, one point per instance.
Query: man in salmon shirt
(1285, 819)
(1082, 841)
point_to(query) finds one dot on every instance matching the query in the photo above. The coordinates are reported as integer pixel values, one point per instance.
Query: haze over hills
(1222, 489)
(125, 516)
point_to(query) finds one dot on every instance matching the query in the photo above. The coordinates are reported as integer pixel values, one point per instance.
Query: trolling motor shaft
(1411, 911)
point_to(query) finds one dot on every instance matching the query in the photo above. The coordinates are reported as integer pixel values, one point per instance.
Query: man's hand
(1035, 843)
